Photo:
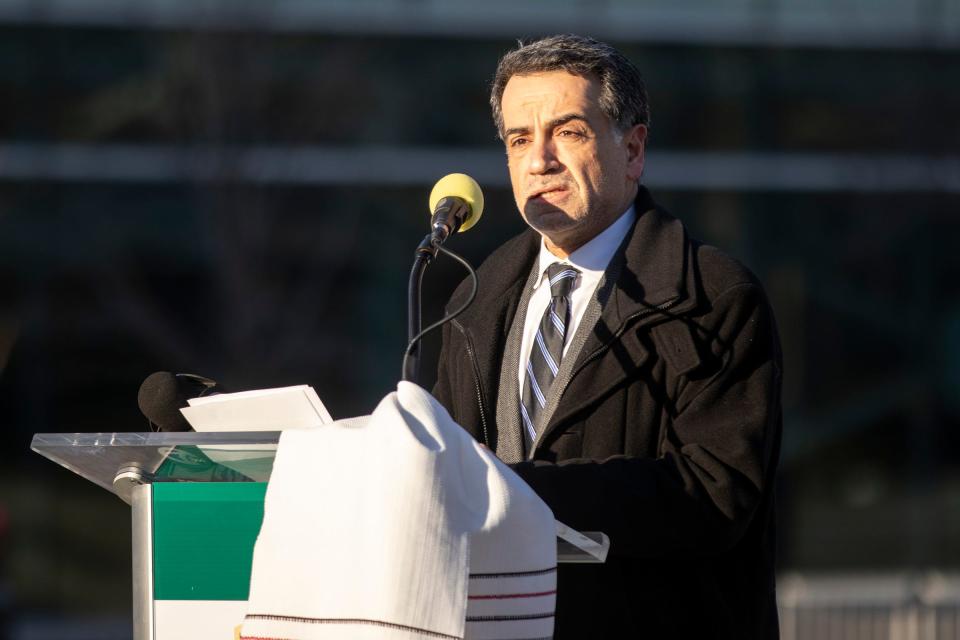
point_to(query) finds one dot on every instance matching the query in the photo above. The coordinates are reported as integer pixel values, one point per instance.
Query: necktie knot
(561, 277)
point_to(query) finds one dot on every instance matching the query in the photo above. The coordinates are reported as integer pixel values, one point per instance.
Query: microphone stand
(426, 252)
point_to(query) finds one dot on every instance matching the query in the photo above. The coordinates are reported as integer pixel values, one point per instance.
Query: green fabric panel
(203, 537)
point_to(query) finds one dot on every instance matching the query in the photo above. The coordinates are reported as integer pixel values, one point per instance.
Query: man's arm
(716, 459)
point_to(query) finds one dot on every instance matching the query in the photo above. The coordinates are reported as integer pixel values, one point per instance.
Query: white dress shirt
(591, 260)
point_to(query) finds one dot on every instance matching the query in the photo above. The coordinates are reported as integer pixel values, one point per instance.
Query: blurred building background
(236, 189)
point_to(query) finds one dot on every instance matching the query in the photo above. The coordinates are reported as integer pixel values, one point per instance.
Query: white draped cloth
(398, 526)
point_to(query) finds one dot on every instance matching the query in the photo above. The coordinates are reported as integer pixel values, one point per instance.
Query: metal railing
(870, 606)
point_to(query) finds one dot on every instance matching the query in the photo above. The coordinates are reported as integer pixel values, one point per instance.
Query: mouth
(545, 193)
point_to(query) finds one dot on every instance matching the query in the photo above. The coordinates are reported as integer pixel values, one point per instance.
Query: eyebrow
(556, 122)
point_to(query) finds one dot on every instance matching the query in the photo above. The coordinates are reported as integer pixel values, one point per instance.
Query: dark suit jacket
(666, 437)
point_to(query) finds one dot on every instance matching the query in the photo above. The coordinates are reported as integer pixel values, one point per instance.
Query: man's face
(573, 172)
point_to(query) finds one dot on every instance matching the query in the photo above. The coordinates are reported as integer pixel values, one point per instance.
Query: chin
(546, 216)
(564, 235)
(549, 222)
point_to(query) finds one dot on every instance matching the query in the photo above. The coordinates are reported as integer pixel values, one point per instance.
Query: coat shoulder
(499, 269)
(718, 273)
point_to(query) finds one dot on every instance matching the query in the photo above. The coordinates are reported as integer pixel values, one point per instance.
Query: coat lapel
(486, 323)
(650, 277)
(510, 429)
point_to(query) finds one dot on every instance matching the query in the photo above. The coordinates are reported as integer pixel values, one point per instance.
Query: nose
(543, 157)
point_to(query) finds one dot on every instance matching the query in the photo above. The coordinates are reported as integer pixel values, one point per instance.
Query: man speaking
(630, 374)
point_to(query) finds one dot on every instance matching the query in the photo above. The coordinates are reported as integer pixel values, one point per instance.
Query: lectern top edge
(161, 457)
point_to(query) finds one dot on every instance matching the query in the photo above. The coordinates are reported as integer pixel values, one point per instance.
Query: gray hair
(623, 96)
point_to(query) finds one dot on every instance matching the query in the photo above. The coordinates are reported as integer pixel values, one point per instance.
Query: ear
(635, 142)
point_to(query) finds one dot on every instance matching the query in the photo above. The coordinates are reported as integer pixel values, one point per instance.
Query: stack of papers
(278, 409)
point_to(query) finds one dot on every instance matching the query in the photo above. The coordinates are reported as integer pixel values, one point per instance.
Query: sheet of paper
(590, 550)
(278, 409)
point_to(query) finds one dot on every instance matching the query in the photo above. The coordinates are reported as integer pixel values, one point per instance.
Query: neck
(560, 252)
(565, 247)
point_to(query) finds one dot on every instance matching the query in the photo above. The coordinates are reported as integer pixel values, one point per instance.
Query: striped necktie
(547, 348)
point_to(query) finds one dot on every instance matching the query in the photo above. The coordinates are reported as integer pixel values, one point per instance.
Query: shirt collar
(595, 255)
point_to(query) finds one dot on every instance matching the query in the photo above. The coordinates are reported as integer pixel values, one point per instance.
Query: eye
(518, 141)
(570, 133)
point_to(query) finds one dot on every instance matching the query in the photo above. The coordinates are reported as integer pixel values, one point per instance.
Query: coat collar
(651, 269)
(650, 279)
(652, 261)
(649, 273)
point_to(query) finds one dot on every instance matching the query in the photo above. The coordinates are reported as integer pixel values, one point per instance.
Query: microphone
(163, 394)
(456, 203)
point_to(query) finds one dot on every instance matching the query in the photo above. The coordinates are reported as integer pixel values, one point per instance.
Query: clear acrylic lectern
(197, 506)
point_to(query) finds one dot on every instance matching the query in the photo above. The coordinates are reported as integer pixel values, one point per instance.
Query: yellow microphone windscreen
(459, 185)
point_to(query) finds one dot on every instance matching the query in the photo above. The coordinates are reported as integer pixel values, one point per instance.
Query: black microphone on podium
(456, 204)
(163, 394)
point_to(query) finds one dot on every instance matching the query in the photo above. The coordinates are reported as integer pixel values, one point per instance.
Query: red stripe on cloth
(504, 596)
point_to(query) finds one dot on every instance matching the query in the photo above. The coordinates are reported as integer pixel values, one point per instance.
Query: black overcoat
(666, 437)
